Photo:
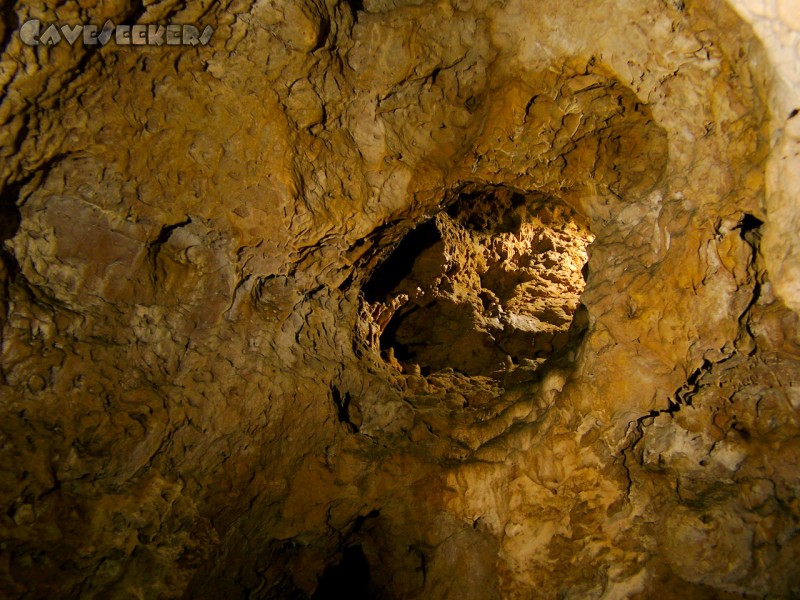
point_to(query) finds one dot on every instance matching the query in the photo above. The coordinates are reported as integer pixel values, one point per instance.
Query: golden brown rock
(301, 313)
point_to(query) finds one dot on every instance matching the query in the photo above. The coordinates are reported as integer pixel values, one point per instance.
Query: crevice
(342, 403)
(749, 224)
(399, 263)
(10, 23)
(154, 247)
(349, 578)
(750, 231)
(682, 397)
(361, 519)
(356, 7)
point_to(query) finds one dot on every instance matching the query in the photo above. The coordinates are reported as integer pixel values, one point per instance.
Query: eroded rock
(211, 390)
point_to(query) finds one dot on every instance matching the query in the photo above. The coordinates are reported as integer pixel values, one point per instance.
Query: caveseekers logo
(34, 33)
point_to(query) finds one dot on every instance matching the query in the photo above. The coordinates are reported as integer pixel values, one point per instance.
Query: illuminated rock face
(491, 283)
(307, 312)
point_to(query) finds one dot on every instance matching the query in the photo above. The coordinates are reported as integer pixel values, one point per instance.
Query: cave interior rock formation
(470, 299)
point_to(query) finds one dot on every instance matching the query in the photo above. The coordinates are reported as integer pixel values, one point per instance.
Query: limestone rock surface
(448, 299)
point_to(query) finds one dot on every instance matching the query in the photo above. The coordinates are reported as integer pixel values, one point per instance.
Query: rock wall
(194, 398)
(776, 22)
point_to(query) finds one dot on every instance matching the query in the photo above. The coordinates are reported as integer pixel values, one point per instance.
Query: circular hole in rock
(491, 282)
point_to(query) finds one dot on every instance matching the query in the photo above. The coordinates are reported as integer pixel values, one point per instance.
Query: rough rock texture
(194, 398)
(495, 282)
(777, 23)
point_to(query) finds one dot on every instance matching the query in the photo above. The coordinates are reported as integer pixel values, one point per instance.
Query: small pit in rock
(492, 282)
